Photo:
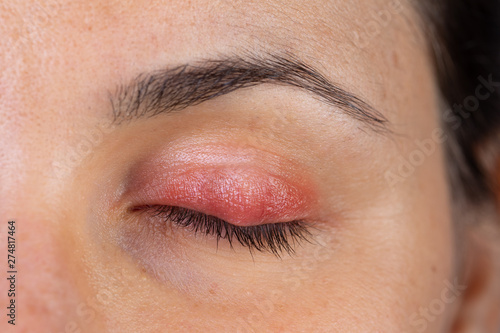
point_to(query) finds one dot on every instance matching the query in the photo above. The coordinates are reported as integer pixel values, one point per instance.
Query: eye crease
(276, 238)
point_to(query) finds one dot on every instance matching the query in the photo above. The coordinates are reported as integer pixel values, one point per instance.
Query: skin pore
(381, 255)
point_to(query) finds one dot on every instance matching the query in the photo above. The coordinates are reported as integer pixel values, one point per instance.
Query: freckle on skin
(213, 288)
(395, 59)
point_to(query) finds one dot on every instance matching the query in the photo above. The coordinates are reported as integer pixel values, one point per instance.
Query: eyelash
(276, 238)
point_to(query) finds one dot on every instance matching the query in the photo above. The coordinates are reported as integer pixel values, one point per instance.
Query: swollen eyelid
(238, 197)
(240, 192)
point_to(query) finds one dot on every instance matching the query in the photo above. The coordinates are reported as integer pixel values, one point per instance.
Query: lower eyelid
(191, 264)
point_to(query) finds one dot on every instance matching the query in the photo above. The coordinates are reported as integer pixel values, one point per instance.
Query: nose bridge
(43, 287)
(46, 290)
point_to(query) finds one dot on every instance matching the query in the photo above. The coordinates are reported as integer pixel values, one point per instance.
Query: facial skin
(381, 256)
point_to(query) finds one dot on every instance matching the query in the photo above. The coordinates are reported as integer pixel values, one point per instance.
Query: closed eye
(276, 238)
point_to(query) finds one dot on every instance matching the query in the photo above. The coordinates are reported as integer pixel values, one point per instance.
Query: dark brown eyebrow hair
(174, 89)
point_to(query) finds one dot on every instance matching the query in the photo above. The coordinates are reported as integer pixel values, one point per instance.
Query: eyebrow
(175, 89)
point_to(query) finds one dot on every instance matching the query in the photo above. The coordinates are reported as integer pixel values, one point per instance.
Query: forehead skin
(60, 59)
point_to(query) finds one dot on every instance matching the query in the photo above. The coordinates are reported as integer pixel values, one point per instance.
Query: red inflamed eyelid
(243, 196)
